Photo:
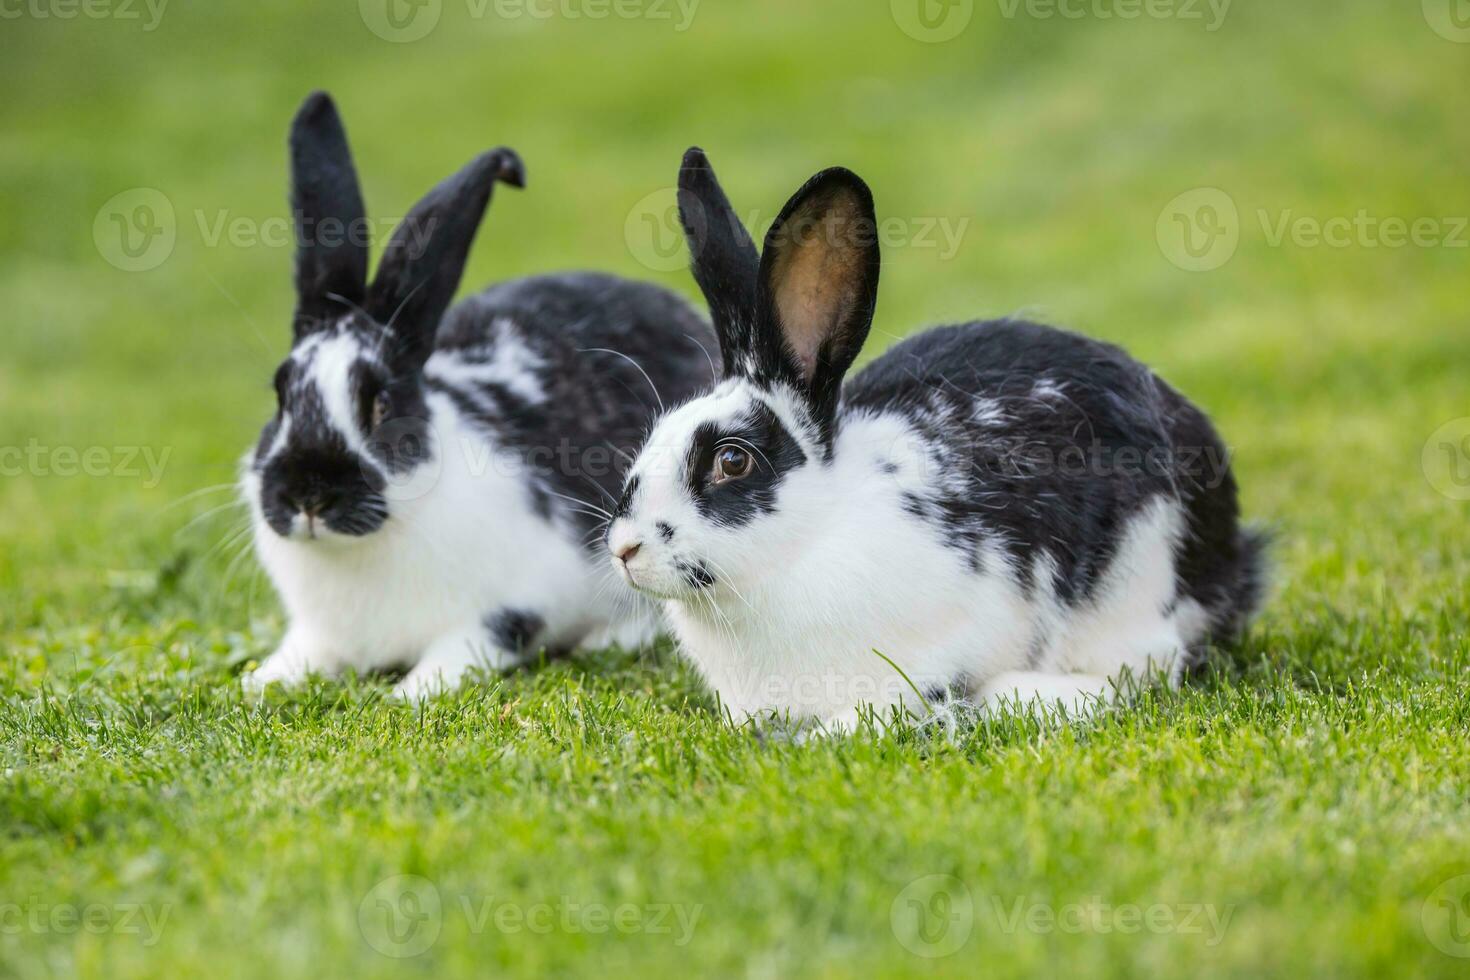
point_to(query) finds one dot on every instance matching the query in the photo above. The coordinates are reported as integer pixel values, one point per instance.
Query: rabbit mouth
(310, 529)
(647, 582)
(342, 522)
(684, 580)
(631, 578)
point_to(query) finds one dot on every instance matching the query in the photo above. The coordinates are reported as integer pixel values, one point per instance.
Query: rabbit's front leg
(1062, 695)
(447, 660)
(299, 656)
(865, 717)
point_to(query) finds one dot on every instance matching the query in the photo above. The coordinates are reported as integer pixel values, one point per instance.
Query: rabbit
(432, 494)
(997, 512)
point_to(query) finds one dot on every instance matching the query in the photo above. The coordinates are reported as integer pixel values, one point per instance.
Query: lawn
(1302, 808)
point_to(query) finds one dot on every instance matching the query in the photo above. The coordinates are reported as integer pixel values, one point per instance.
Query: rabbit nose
(313, 504)
(628, 552)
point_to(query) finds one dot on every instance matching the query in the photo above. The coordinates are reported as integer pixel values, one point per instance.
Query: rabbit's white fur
(793, 620)
(828, 549)
(427, 490)
(463, 539)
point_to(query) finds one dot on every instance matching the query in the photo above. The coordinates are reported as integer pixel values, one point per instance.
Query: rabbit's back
(1049, 445)
(569, 371)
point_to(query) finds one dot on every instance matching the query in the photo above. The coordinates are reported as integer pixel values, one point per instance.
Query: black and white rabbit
(428, 493)
(998, 510)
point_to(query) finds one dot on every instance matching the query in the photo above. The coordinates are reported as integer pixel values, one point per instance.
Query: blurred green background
(1266, 201)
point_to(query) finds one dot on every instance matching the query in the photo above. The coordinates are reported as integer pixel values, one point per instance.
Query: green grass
(1313, 793)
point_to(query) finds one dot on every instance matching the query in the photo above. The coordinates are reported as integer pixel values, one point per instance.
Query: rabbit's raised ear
(819, 282)
(722, 257)
(326, 207)
(424, 260)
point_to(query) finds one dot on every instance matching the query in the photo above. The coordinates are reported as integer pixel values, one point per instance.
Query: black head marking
(774, 451)
(625, 502)
(317, 474)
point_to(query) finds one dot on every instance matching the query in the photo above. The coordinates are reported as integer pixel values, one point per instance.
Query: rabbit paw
(293, 661)
(445, 664)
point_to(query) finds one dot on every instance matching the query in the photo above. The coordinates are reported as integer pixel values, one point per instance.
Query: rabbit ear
(424, 260)
(722, 256)
(819, 282)
(326, 206)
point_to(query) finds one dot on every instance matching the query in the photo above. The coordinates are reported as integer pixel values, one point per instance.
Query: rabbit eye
(382, 405)
(731, 463)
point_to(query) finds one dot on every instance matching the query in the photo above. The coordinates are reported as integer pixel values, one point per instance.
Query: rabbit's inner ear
(822, 278)
(814, 291)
